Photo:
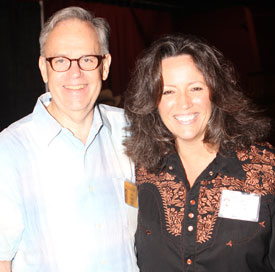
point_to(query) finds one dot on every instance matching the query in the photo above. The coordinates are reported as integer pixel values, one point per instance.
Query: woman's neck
(195, 158)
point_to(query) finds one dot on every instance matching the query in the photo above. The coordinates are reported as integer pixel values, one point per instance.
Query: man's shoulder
(114, 115)
(16, 131)
(17, 125)
(13, 142)
(111, 109)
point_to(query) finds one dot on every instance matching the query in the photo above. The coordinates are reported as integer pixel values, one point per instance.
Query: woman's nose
(184, 100)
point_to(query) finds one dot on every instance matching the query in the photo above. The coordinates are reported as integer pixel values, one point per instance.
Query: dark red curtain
(244, 35)
(132, 29)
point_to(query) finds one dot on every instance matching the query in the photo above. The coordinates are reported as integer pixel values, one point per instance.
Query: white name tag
(239, 205)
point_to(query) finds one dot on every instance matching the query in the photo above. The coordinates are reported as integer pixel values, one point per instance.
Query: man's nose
(75, 69)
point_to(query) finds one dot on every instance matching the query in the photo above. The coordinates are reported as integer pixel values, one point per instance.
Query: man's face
(75, 91)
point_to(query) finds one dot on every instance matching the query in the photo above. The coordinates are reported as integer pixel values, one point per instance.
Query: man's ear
(43, 68)
(106, 66)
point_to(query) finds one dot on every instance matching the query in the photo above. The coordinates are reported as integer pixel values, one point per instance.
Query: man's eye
(59, 60)
(88, 60)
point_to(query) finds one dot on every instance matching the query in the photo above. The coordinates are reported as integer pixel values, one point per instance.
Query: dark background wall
(243, 30)
(21, 83)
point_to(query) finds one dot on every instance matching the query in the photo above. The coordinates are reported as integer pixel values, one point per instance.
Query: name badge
(239, 205)
(131, 194)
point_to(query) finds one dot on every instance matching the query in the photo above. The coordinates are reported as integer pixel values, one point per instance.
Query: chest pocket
(232, 232)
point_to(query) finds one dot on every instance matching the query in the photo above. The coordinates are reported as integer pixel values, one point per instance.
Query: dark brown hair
(235, 122)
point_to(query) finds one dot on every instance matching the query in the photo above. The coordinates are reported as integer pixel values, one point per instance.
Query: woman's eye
(167, 92)
(196, 89)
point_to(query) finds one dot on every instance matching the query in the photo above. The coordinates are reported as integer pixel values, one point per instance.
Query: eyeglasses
(86, 63)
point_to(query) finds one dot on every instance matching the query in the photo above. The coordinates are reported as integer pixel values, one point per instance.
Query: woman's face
(185, 105)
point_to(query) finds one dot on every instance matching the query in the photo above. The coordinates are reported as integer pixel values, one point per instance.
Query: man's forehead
(71, 24)
(73, 34)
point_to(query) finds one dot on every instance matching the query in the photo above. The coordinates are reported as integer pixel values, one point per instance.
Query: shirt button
(189, 261)
(190, 228)
(192, 202)
(190, 215)
(170, 167)
(211, 173)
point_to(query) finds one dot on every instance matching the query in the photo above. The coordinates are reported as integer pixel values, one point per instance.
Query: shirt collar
(100, 113)
(50, 128)
(228, 165)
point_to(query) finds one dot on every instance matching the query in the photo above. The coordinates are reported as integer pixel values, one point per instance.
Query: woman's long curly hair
(235, 122)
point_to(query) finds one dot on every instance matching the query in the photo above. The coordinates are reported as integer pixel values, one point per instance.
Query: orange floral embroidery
(229, 243)
(259, 180)
(173, 197)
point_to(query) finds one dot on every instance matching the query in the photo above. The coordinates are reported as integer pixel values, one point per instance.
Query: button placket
(190, 226)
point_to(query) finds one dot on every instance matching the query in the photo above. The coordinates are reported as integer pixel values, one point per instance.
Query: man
(62, 168)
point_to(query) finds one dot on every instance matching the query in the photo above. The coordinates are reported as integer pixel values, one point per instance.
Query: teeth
(74, 87)
(186, 117)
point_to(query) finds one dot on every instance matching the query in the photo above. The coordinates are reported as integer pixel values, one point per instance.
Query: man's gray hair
(101, 26)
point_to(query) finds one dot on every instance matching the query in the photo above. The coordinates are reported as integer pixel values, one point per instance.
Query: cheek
(55, 80)
(92, 77)
(56, 76)
(204, 103)
(208, 106)
(166, 105)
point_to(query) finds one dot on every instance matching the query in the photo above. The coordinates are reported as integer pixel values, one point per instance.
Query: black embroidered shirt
(179, 228)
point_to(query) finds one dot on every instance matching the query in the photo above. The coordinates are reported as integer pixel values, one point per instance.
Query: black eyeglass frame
(99, 59)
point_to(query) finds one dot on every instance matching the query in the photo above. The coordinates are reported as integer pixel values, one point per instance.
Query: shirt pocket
(233, 232)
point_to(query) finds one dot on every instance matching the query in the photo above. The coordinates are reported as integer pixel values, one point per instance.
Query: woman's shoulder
(260, 153)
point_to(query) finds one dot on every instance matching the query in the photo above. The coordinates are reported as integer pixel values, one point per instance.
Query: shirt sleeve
(11, 219)
(272, 241)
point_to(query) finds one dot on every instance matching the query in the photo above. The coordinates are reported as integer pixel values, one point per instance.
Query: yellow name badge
(131, 194)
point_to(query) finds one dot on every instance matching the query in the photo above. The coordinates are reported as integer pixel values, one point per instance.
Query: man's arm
(5, 266)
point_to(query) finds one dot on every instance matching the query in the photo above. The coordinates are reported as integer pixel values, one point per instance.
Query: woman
(205, 177)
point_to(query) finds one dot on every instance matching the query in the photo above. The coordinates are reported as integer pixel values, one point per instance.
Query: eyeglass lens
(88, 63)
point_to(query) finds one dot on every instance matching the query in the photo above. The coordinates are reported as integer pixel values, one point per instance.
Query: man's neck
(79, 123)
